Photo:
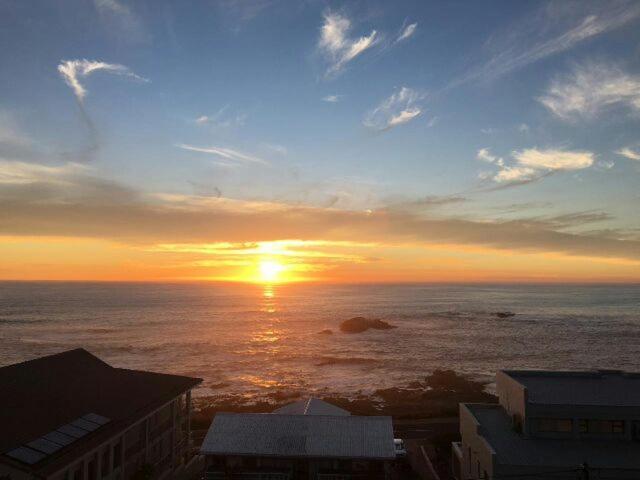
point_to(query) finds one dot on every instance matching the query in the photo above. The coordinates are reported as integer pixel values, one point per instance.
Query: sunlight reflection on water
(251, 340)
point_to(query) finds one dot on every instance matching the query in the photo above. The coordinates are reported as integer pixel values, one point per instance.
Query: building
(553, 425)
(310, 439)
(71, 416)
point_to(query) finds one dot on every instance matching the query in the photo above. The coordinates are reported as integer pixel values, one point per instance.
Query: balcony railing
(162, 428)
(131, 450)
(217, 475)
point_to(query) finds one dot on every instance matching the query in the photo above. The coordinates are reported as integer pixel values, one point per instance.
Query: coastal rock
(326, 331)
(324, 361)
(504, 314)
(362, 324)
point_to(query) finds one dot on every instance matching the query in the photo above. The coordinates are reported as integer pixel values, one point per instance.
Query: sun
(270, 271)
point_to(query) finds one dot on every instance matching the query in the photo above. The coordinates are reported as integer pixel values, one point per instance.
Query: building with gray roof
(310, 439)
(553, 425)
(71, 416)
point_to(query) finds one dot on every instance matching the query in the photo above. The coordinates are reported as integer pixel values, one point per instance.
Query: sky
(363, 141)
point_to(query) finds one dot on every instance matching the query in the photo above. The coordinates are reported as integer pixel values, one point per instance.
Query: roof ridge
(55, 356)
(162, 374)
(307, 405)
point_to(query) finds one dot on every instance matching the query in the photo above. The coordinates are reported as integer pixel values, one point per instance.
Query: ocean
(252, 340)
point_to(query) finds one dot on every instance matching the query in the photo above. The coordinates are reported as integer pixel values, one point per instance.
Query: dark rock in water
(324, 361)
(325, 332)
(362, 324)
(504, 314)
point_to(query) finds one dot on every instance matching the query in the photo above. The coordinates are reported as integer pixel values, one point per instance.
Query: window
(601, 426)
(554, 425)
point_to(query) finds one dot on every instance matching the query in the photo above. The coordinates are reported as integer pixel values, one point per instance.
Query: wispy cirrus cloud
(339, 47)
(336, 44)
(554, 29)
(590, 89)
(532, 164)
(332, 98)
(23, 173)
(629, 153)
(74, 70)
(407, 32)
(485, 155)
(403, 106)
(229, 156)
(223, 118)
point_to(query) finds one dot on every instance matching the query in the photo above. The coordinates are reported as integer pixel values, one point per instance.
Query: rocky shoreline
(437, 395)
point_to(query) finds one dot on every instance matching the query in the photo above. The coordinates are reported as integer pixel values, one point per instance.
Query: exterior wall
(513, 398)
(282, 468)
(630, 417)
(161, 440)
(477, 455)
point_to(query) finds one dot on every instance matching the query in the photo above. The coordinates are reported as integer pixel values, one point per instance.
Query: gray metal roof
(311, 406)
(606, 388)
(515, 449)
(269, 434)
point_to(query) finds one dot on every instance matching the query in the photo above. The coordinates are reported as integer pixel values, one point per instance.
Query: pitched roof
(311, 436)
(603, 387)
(42, 395)
(311, 406)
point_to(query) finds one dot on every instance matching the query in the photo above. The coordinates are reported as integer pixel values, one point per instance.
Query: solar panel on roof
(85, 424)
(59, 438)
(44, 445)
(72, 431)
(95, 418)
(50, 443)
(26, 455)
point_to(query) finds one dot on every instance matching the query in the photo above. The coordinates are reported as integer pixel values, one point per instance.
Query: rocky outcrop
(362, 324)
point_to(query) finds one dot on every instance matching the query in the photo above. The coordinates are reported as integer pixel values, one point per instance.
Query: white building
(72, 416)
(553, 425)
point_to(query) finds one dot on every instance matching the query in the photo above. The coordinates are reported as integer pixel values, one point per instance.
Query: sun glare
(270, 271)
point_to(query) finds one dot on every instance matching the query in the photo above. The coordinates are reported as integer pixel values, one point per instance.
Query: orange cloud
(142, 236)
